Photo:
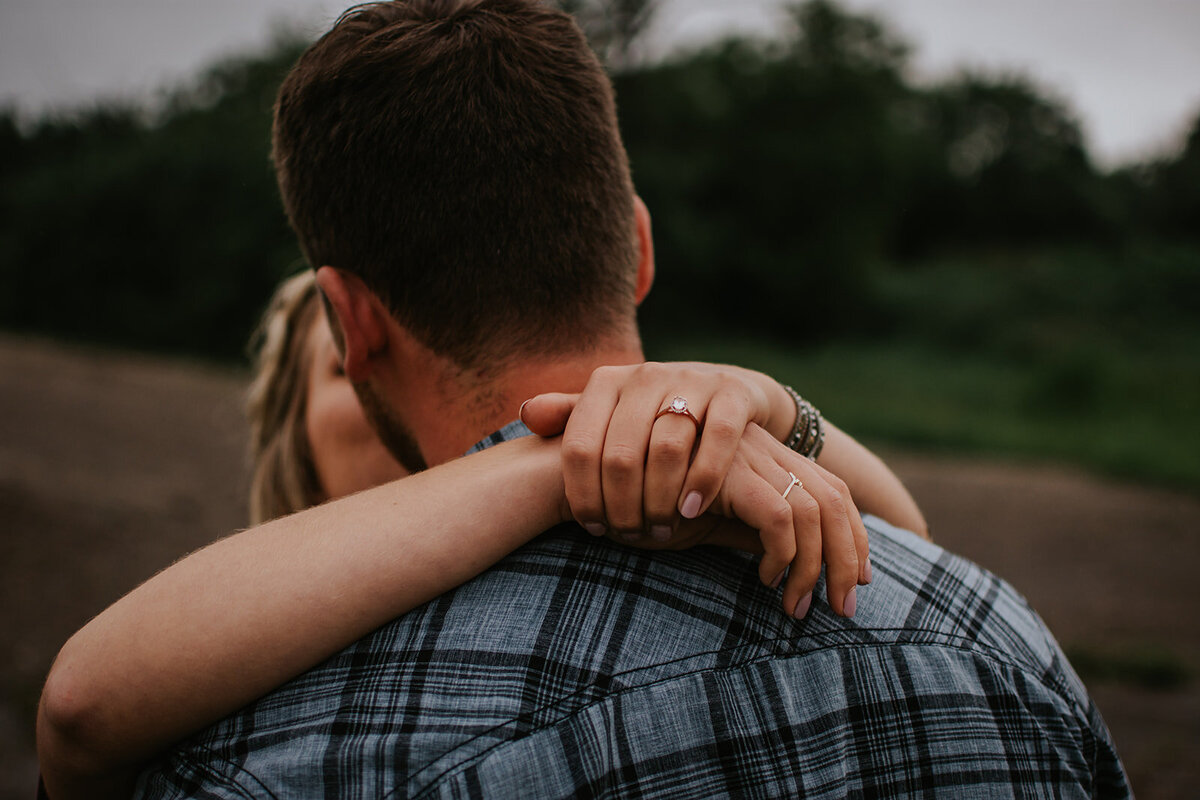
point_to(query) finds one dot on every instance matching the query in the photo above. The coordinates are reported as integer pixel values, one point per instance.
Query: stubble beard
(395, 434)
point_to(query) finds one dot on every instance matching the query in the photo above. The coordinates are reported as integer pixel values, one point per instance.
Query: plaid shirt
(576, 667)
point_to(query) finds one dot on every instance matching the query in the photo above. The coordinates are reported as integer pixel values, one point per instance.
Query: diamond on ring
(679, 405)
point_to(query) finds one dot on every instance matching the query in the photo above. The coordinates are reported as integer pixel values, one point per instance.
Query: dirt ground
(112, 466)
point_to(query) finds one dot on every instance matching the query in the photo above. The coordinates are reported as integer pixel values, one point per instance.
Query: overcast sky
(1130, 69)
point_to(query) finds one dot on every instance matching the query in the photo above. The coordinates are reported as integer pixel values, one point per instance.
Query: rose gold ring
(679, 406)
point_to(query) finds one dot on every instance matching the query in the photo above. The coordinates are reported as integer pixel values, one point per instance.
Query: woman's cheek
(331, 434)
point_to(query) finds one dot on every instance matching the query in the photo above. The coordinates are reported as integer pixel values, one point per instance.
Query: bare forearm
(874, 487)
(238, 618)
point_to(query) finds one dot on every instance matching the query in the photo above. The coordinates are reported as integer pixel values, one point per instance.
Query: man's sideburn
(396, 436)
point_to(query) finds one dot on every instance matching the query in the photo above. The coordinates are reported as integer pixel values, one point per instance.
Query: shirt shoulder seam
(952, 642)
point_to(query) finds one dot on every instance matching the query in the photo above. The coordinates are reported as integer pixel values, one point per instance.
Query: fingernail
(594, 528)
(851, 602)
(691, 505)
(867, 570)
(629, 536)
(778, 578)
(660, 533)
(521, 411)
(802, 605)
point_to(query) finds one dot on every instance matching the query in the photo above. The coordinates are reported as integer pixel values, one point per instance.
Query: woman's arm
(236, 619)
(240, 617)
(874, 487)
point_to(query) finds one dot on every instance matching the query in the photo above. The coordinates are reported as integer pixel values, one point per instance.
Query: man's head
(461, 159)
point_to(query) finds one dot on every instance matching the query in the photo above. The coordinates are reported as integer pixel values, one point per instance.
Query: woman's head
(309, 439)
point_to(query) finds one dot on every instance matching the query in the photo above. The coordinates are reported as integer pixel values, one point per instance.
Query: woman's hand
(629, 470)
(816, 521)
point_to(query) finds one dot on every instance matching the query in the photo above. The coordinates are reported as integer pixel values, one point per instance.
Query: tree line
(802, 187)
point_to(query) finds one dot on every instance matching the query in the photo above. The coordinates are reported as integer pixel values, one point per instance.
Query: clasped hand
(668, 481)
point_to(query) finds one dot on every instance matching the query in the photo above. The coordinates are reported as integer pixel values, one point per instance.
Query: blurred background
(968, 232)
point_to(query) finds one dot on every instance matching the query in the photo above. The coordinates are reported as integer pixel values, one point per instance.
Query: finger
(837, 544)
(805, 568)
(583, 448)
(747, 496)
(725, 419)
(623, 465)
(547, 414)
(672, 437)
(862, 544)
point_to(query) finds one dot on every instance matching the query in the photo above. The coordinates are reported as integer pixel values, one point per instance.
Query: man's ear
(359, 317)
(645, 273)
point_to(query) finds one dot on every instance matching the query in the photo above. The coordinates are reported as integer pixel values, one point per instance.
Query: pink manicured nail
(851, 602)
(691, 505)
(594, 528)
(660, 533)
(629, 536)
(778, 578)
(802, 605)
(521, 411)
(867, 570)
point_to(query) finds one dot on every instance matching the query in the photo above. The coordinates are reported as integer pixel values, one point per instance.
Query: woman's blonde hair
(283, 478)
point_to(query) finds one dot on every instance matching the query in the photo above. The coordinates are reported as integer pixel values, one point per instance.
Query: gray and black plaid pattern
(578, 668)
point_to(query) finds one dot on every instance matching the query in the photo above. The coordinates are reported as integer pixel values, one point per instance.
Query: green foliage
(162, 233)
(1007, 165)
(773, 169)
(1046, 303)
(1172, 189)
(1139, 420)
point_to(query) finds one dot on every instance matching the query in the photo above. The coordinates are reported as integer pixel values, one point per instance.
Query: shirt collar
(513, 430)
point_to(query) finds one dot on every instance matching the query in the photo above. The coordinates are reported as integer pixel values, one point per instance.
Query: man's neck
(457, 412)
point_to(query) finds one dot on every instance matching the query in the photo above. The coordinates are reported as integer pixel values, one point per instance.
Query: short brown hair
(463, 158)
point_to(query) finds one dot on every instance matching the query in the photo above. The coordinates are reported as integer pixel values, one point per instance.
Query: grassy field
(1120, 414)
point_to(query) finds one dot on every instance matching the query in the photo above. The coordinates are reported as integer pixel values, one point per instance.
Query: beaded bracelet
(808, 432)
